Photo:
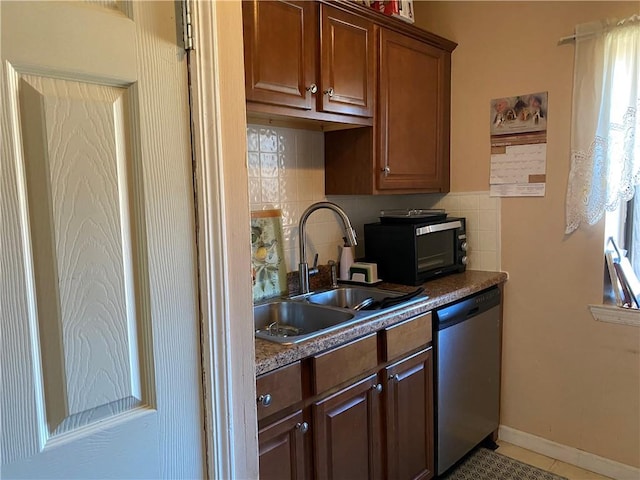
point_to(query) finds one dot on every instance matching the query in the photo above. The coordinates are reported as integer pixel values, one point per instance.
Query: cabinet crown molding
(395, 24)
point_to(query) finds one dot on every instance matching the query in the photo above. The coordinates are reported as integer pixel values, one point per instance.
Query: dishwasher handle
(473, 312)
(467, 308)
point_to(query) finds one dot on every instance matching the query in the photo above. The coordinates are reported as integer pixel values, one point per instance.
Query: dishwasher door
(467, 352)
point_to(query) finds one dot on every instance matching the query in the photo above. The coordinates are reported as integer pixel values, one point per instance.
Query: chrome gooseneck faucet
(350, 234)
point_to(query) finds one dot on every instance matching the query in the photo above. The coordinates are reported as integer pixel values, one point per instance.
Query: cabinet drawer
(407, 336)
(283, 386)
(346, 362)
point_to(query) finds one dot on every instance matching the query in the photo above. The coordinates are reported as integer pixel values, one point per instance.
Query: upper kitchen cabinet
(347, 68)
(407, 149)
(413, 121)
(309, 61)
(279, 52)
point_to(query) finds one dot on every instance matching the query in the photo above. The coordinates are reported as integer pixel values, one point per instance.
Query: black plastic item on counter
(391, 301)
(412, 215)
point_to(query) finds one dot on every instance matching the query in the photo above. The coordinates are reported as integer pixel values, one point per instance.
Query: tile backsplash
(286, 171)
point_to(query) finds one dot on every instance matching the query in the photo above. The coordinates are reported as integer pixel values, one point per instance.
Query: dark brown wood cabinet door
(281, 449)
(409, 417)
(347, 56)
(347, 431)
(280, 52)
(414, 104)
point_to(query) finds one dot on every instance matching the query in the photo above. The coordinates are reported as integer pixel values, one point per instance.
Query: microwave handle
(438, 227)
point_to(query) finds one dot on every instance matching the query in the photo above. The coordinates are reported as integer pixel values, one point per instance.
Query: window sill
(614, 314)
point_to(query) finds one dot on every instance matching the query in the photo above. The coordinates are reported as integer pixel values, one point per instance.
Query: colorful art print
(268, 269)
(521, 114)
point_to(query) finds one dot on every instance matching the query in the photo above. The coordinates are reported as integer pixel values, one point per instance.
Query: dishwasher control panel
(467, 307)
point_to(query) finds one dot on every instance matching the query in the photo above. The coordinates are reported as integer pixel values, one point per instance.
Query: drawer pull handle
(377, 387)
(302, 427)
(265, 400)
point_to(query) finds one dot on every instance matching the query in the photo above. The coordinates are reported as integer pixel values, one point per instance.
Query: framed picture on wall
(268, 270)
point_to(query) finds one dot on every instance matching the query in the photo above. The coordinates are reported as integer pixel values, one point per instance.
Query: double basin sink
(300, 318)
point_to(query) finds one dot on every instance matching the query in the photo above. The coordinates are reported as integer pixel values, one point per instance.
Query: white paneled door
(99, 341)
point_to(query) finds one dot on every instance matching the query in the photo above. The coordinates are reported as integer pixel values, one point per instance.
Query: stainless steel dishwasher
(467, 375)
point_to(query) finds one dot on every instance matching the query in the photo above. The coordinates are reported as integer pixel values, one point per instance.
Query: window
(623, 225)
(621, 222)
(605, 134)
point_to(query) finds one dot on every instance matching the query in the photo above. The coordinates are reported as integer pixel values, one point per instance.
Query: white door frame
(219, 143)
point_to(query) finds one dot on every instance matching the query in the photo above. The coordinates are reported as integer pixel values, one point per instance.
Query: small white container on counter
(346, 261)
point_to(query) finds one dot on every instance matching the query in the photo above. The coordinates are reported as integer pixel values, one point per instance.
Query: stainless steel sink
(289, 321)
(349, 297)
(300, 318)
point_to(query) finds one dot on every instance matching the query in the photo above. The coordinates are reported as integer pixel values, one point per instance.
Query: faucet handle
(314, 269)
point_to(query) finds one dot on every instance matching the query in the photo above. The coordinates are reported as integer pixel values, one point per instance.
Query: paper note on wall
(518, 146)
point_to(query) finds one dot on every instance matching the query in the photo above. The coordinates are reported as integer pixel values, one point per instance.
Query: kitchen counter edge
(441, 291)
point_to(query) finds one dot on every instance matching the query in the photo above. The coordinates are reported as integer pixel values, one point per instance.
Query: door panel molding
(76, 159)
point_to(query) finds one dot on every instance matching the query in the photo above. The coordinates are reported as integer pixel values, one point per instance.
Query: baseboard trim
(579, 458)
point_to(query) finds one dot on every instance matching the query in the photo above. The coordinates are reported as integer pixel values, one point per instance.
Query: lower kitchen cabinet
(347, 432)
(368, 404)
(281, 448)
(408, 395)
(282, 430)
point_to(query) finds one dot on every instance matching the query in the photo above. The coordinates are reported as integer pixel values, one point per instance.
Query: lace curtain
(605, 150)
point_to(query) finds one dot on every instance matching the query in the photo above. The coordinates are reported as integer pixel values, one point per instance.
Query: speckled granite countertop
(441, 291)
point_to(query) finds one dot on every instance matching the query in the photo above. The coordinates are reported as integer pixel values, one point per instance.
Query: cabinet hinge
(187, 32)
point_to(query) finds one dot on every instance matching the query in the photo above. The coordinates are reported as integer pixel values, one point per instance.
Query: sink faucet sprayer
(303, 267)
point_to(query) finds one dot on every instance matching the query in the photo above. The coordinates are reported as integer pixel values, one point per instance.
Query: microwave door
(431, 262)
(435, 250)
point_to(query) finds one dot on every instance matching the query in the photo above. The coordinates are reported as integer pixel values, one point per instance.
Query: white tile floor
(546, 463)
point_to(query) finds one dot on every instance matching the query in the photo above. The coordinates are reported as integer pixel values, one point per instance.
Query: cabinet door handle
(313, 88)
(386, 170)
(377, 387)
(395, 378)
(329, 92)
(265, 400)
(302, 427)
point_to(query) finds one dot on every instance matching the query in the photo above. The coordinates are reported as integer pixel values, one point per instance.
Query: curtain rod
(568, 39)
(572, 38)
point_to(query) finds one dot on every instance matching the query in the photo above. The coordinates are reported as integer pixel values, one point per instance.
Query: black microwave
(411, 253)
